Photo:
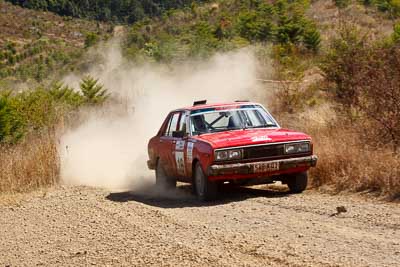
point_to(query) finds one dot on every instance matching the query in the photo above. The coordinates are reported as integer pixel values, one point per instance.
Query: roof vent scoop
(200, 102)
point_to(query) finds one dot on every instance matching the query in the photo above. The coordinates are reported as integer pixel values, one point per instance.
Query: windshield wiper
(227, 129)
(262, 126)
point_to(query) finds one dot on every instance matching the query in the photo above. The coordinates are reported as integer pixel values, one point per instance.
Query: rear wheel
(297, 183)
(162, 180)
(205, 190)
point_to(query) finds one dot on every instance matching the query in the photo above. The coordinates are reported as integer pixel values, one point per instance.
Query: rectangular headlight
(229, 154)
(294, 148)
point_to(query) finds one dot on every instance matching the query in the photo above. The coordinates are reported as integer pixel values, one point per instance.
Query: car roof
(216, 105)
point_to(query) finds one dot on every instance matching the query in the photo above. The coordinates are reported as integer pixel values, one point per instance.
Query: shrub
(396, 32)
(11, 124)
(91, 39)
(346, 53)
(342, 3)
(366, 82)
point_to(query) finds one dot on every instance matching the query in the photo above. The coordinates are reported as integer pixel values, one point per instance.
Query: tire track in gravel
(79, 226)
(215, 248)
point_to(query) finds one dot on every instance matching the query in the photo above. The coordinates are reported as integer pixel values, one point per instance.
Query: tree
(64, 94)
(93, 92)
(312, 39)
(254, 26)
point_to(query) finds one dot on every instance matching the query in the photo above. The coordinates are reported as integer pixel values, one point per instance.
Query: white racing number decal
(189, 152)
(179, 157)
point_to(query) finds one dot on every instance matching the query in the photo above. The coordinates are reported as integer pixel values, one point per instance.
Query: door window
(182, 123)
(172, 124)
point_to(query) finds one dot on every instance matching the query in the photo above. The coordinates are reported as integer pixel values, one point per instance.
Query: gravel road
(80, 226)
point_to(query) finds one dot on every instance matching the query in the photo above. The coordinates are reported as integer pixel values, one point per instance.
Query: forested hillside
(36, 46)
(222, 26)
(125, 11)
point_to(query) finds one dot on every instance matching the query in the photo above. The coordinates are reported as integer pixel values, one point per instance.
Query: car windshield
(216, 120)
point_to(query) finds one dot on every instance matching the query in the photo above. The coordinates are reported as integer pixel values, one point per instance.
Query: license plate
(266, 167)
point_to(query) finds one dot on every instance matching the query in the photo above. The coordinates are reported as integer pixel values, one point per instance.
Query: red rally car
(240, 143)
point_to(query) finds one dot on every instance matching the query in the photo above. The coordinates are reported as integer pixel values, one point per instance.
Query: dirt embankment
(79, 226)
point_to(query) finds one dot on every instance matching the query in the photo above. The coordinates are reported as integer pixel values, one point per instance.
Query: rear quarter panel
(152, 150)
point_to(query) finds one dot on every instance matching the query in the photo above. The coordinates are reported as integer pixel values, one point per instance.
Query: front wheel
(297, 183)
(162, 180)
(205, 190)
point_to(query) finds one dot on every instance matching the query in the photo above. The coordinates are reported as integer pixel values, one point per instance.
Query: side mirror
(178, 134)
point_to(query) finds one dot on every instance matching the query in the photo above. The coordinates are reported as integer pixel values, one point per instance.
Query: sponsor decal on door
(180, 163)
(179, 157)
(180, 145)
(189, 152)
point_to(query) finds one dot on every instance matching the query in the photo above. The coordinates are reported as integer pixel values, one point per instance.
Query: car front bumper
(262, 167)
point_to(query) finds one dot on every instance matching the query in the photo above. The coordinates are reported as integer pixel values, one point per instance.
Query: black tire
(162, 180)
(297, 183)
(205, 190)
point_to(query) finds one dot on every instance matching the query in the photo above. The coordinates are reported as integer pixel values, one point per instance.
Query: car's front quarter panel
(202, 152)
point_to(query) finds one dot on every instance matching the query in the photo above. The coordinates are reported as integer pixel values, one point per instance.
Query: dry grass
(32, 164)
(348, 164)
(345, 162)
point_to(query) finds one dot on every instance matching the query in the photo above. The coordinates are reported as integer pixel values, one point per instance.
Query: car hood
(245, 137)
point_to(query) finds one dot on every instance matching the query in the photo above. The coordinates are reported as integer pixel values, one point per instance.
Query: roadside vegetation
(30, 122)
(351, 110)
(363, 79)
(358, 141)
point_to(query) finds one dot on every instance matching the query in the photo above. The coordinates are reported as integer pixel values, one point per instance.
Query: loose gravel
(80, 226)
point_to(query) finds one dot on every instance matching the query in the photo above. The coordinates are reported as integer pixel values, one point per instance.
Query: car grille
(256, 152)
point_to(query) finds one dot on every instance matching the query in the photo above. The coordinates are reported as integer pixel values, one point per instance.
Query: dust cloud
(110, 148)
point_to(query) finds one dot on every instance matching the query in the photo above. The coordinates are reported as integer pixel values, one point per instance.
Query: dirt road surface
(79, 226)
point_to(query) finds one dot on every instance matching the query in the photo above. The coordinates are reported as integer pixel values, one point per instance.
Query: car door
(168, 143)
(179, 144)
